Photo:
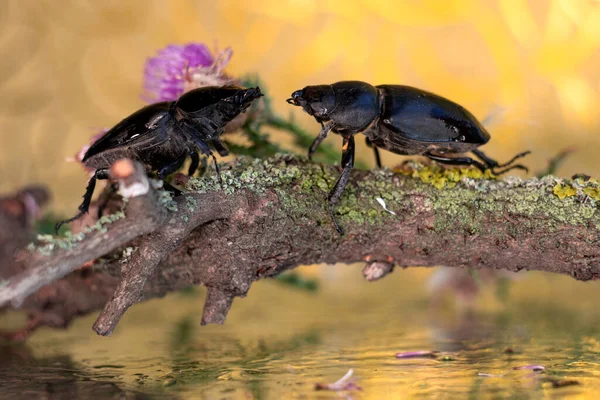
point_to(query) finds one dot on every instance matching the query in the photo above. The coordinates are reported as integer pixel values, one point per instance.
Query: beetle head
(235, 101)
(242, 97)
(212, 107)
(318, 101)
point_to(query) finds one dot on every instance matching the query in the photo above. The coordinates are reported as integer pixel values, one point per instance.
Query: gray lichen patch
(46, 244)
(251, 174)
(127, 253)
(190, 203)
(165, 199)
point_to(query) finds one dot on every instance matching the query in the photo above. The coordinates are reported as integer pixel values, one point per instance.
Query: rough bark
(271, 216)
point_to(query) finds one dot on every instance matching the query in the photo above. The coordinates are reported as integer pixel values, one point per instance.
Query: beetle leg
(203, 166)
(505, 170)
(194, 164)
(170, 188)
(217, 169)
(203, 147)
(338, 189)
(470, 161)
(375, 150)
(325, 129)
(205, 150)
(491, 163)
(456, 160)
(87, 197)
(220, 147)
(170, 168)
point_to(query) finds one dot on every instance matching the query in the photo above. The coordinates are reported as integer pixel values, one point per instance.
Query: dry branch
(271, 217)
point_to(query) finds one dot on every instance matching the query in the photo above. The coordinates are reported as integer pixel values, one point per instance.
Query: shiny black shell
(412, 121)
(144, 136)
(133, 129)
(427, 117)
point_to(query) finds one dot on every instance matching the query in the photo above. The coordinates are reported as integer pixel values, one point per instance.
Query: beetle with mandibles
(401, 119)
(162, 135)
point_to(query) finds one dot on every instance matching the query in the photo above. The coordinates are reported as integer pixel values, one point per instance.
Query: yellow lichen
(563, 191)
(442, 178)
(593, 192)
(439, 182)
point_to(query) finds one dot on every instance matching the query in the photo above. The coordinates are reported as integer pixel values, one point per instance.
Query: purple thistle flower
(175, 68)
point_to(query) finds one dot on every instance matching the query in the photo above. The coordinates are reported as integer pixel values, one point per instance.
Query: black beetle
(162, 135)
(400, 119)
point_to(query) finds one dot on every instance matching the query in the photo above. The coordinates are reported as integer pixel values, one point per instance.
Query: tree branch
(272, 216)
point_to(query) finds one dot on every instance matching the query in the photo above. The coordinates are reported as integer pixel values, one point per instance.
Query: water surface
(279, 341)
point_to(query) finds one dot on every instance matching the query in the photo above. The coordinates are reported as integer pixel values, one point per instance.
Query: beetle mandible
(162, 135)
(401, 119)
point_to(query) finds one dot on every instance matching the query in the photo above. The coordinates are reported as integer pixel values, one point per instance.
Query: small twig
(44, 269)
(217, 305)
(153, 249)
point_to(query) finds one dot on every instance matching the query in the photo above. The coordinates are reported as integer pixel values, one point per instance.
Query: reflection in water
(57, 377)
(466, 285)
(278, 343)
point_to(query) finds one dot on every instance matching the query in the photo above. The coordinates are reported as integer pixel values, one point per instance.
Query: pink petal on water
(536, 368)
(343, 384)
(483, 374)
(417, 354)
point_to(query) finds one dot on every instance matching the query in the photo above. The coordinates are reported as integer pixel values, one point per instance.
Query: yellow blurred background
(71, 67)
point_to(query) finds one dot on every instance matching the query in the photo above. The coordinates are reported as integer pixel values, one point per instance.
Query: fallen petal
(382, 202)
(342, 384)
(490, 375)
(536, 368)
(417, 354)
